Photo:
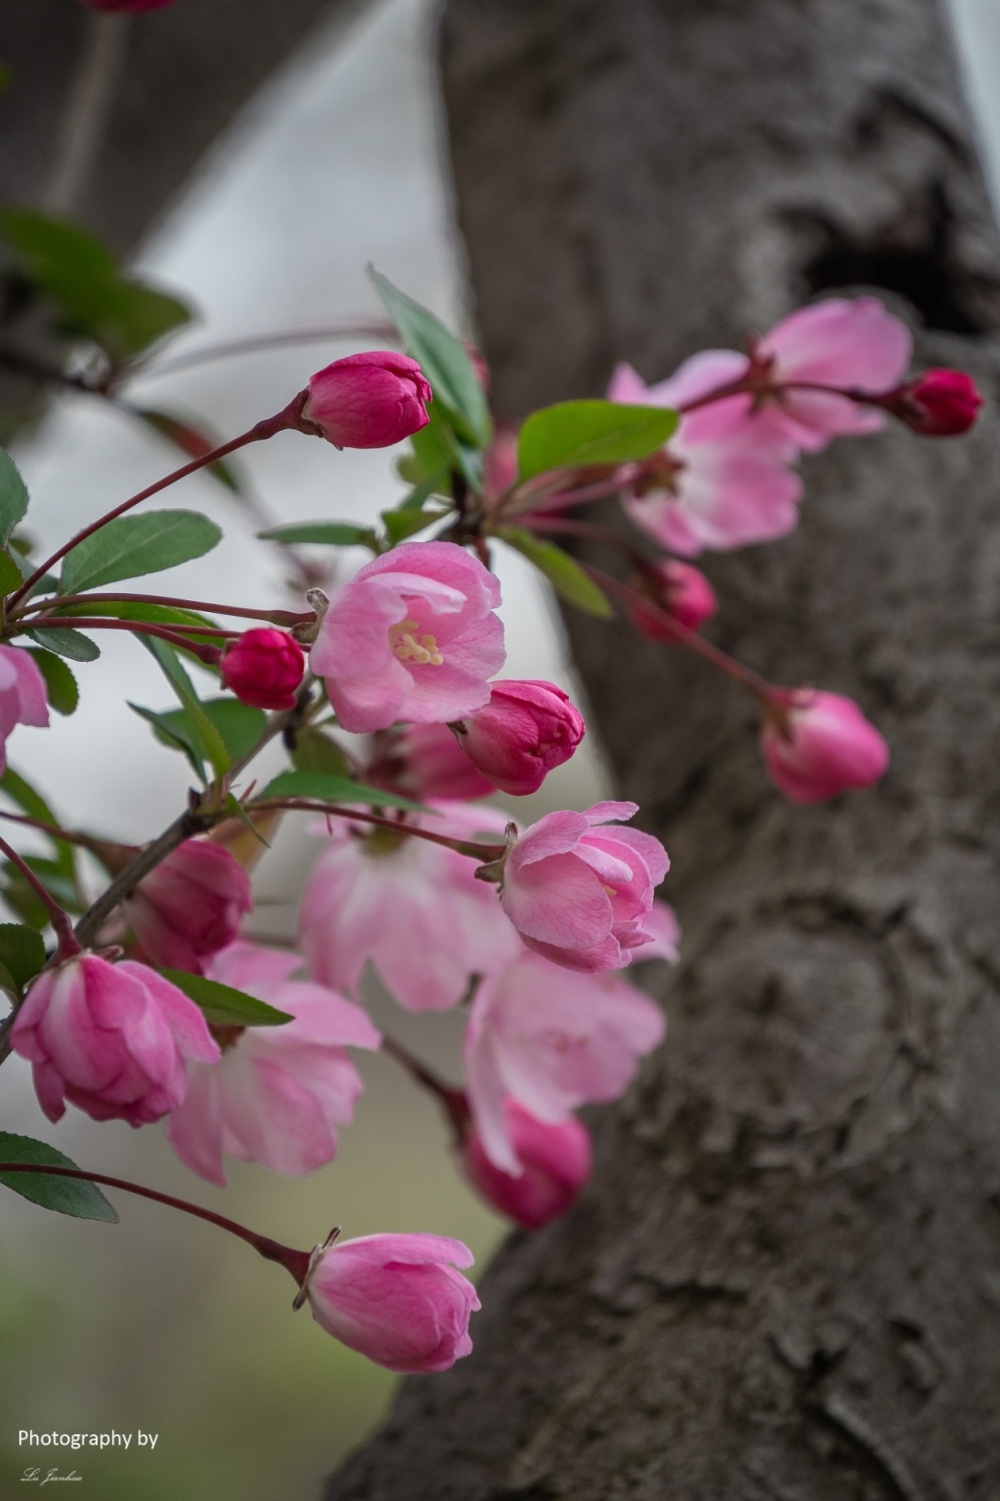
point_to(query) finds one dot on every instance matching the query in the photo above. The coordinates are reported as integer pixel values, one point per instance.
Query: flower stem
(59, 917)
(452, 1100)
(175, 635)
(274, 617)
(483, 852)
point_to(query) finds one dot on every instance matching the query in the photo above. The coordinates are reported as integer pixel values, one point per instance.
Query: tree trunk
(783, 1283)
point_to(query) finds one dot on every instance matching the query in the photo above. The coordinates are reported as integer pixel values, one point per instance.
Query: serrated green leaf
(563, 572)
(135, 545)
(224, 1006)
(316, 752)
(333, 789)
(332, 533)
(192, 440)
(22, 952)
(60, 685)
(65, 1195)
(443, 358)
(13, 496)
(210, 743)
(66, 643)
(574, 433)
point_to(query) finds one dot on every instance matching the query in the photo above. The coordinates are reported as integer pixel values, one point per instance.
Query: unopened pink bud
(938, 404)
(263, 667)
(819, 744)
(678, 590)
(556, 1162)
(525, 730)
(367, 400)
(190, 905)
(396, 1298)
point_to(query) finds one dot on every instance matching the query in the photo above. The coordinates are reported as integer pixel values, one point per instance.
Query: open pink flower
(554, 1161)
(578, 889)
(723, 481)
(412, 636)
(190, 905)
(22, 695)
(525, 730)
(111, 1039)
(412, 908)
(820, 745)
(278, 1092)
(396, 1298)
(552, 1041)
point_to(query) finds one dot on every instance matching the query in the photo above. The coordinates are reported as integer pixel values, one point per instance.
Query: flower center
(408, 648)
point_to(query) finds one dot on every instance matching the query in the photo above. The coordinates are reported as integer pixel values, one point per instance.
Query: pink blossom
(938, 403)
(190, 905)
(109, 1038)
(425, 762)
(723, 480)
(278, 1092)
(412, 908)
(396, 1298)
(412, 636)
(525, 730)
(578, 889)
(263, 667)
(552, 1041)
(22, 695)
(554, 1162)
(820, 744)
(677, 589)
(368, 400)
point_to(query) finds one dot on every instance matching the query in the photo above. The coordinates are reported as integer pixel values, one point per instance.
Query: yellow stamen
(408, 649)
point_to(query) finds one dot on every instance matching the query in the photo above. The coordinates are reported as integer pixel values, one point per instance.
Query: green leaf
(222, 1005)
(22, 952)
(317, 752)
(10, 575)
(135, 545)
(65, 1195)
(210, 743)
(60, 684)
(591, 432)
(191, 440)
(443, 359)
(13, 496)
(319, 787)
(435, 484)
(563, 572)
(26, 797)
(240, 725)
(333, 533)
(402, 524)
(67, 643)
(174, 729)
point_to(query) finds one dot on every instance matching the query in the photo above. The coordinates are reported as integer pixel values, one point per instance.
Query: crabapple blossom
(818, 744)
(552, 1041)
(677, 589)
(412, 636)
(554, 1162)
(22, 695)
(190, 905)
(938, 403)
(278, 1092)
(412, 908)
(578, 888)
(111, 1039)
(367, 400)
(263, 667)
(424, 762)
(396, 1298)
(525, 730)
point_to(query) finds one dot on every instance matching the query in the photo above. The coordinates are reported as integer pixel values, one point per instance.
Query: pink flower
(109, 1038)
(396, 1298)
(22, 695)
(552, 1041)
(264, 668)
(938, 404)
(425, 762)
(278, 1092)
(677, 589)
(368, 400)
(525, 730)
(190, 905)
(723, 481)
(554, 1162)
(578, 890)
(412, 908)
(820, 744)
(412, 636)
(852, 344)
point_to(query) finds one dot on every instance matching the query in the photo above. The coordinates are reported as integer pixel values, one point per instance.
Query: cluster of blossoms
(527, 930)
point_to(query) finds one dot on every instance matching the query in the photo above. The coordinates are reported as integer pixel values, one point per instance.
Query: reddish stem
(275, 617)
(173, 634)
(486, 853)
(60, 919)
(453, 1101)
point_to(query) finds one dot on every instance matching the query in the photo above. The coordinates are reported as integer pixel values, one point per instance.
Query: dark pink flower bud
(555, 1160)
(190, 905)
(680, 591)
(264, 668)
(525, 730)
(938, 404)
(819, 744)
(368, 400)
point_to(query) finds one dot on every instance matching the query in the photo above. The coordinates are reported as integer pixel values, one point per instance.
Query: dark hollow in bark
(783, 1283)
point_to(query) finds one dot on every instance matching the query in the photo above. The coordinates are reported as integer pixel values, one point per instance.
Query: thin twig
(87, 109)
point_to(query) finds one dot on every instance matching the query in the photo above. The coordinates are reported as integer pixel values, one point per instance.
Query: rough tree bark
(784, 1281)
